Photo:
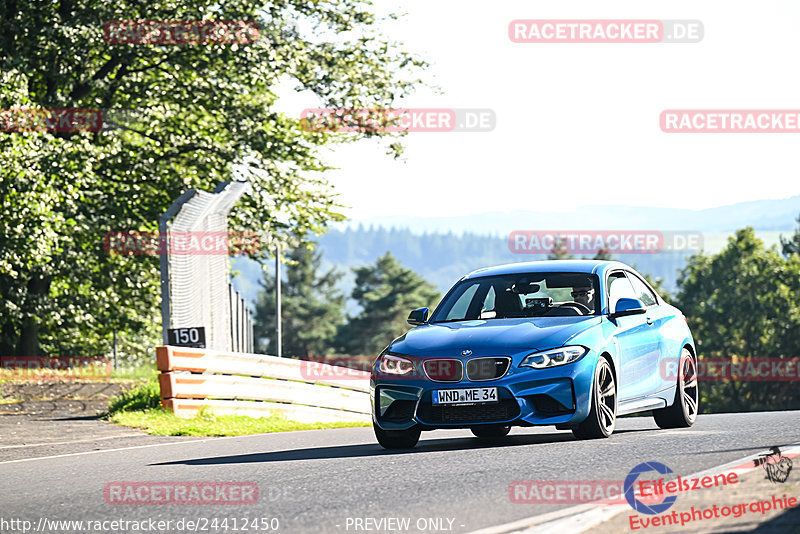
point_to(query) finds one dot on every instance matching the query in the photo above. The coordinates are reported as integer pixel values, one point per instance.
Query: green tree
(742, 303)
(386, 292)
(311, 307)
(199, 115)
(559, 251)
(657, 283)
(603, 254)
(792, 244)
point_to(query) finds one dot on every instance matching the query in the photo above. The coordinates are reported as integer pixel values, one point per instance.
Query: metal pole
(115, 349)
(279, 337)
(249, 332)
(230, 309)
(242, 321)
(238, 322)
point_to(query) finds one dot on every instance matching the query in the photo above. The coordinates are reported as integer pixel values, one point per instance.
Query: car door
(633, 339)
(657, 317)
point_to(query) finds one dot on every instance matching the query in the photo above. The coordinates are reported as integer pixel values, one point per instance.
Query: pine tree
(792, 245)
(312, 309)
(386, 292)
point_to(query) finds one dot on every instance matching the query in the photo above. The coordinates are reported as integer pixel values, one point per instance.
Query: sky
(578, 124)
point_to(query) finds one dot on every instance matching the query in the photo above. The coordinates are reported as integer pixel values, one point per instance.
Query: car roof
(598, 267)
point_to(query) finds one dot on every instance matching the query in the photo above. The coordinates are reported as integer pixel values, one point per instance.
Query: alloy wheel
(688, 386)
(607, 397)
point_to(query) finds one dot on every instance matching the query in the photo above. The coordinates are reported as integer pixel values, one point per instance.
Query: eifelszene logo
(629, 489)
(667, 490)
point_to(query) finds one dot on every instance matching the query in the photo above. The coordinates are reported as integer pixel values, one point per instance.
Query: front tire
(683, 411)
(603, 415)
(490, 431)
(397, 439)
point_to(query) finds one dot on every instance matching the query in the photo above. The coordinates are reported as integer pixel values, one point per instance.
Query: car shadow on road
(366, 450)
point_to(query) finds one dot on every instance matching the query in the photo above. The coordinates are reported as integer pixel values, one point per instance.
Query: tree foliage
(792, 244)
(559, 250)
(311, 308)
(184, 116)
(386, 292)
(744, 302)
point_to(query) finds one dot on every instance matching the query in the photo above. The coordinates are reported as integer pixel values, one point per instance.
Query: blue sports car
(568, 343)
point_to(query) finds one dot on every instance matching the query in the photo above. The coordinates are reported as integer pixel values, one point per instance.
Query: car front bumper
(526, 397)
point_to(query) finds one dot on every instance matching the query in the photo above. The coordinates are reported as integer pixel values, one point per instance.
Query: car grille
(478, 413)
(487, 368)
(444, 369)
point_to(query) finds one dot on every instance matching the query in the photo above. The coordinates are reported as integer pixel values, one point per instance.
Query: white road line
(68, 442)
(535, 520)
(180, 442)
(102, 451)
(585, 516)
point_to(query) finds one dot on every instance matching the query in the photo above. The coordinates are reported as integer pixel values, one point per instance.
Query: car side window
(459, 309)
(619, 287)
(643, 292)
(488, 302)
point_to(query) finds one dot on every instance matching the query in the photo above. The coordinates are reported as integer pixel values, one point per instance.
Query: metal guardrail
(259, 386)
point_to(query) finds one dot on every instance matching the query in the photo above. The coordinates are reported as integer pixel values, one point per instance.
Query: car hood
(491, 337)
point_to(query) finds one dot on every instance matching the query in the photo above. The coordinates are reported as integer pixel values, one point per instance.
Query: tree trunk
(38, 290)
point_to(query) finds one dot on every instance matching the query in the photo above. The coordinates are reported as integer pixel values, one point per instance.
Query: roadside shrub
(142, 397)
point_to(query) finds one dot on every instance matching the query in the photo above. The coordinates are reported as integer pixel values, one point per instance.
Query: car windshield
(521, 295)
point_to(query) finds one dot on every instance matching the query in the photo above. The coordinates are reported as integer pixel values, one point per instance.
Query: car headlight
(395, 365)
(554, 357)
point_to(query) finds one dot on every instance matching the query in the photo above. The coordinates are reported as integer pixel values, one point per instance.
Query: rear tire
(397, 439)
(603, 415)
(683, 412)
(490, 431)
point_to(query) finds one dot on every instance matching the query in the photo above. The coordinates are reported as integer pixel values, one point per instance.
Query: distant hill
(444, 249)
(760, 214)
(444, 258)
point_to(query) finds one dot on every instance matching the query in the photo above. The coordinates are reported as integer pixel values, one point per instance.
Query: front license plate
(464, 396)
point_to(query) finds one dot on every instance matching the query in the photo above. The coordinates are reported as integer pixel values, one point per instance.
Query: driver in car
(584, 295)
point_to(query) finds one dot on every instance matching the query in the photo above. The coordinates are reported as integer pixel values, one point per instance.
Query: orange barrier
(259, 385)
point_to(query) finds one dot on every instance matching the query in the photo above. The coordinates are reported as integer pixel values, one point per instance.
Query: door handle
(649, 320)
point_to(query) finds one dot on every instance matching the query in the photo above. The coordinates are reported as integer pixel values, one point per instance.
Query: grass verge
(140, 407)
(162, 423)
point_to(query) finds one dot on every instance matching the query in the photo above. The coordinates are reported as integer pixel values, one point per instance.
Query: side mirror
(626, 306)
(418, 316)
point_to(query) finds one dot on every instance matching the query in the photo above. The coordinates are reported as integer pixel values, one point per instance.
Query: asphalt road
(323, 481)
